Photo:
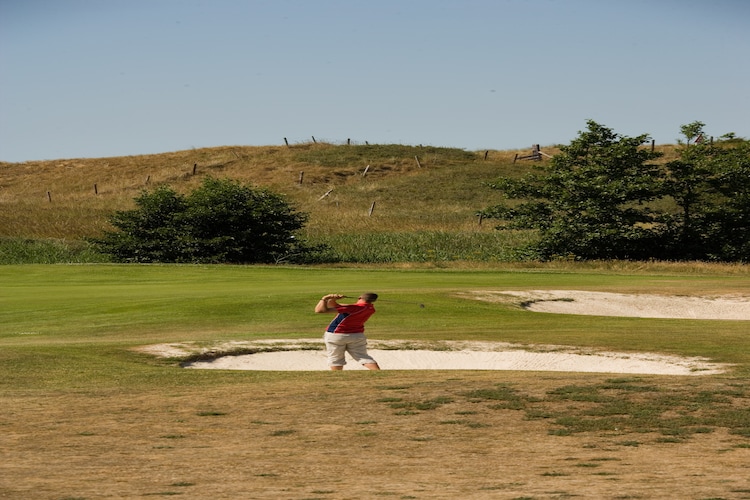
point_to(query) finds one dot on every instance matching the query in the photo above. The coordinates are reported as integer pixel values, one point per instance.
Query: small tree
(692, 132)
(220, 222)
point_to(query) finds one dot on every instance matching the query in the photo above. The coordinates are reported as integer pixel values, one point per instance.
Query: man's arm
(328, 303)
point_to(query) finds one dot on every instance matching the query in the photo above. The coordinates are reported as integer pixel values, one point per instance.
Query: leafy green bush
(222, 221)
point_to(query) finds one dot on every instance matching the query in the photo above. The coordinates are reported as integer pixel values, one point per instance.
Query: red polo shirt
(351, 318)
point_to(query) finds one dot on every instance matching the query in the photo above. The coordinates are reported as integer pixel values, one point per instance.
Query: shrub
(222, 221)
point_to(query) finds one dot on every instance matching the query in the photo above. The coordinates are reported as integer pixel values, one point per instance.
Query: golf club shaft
(390, 301)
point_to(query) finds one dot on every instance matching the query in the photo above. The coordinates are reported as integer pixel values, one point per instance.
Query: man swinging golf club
(346, 333)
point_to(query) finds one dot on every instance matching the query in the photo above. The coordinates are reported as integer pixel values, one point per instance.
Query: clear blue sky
(97, 78)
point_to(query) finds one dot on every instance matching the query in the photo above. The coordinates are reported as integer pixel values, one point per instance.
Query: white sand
(473, 360)
(619, 304)
(308, 354)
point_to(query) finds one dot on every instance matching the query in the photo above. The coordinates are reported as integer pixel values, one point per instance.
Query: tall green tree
(603, 197)
(689, 182)
(590, 201)
(726, 222)
(710, 185)
(222, 221)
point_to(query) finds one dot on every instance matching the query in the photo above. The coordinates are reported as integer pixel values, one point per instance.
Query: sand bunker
(308, 354)
(468, 359)
(620, 304)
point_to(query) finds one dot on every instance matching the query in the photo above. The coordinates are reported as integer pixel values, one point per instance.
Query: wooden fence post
(195, 168)
(326, 194)
(49, 196)
(372, 209)
(96, 190)
(286, 142)
(366, 169)
(536, 154)
(417, 158)
(301, 176)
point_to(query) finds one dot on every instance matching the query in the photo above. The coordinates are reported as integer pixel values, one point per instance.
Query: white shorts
(337, 344)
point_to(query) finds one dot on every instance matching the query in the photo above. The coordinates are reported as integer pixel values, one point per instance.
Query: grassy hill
(425, 198)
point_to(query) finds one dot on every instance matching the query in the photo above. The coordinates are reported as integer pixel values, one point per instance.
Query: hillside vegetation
(371, 203)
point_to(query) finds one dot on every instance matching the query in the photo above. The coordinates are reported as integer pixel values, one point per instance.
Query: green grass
(633, 406)
(47, 251)
(69, 324)
(425, 246)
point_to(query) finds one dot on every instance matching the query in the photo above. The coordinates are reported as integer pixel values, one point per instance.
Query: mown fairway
(84, 416)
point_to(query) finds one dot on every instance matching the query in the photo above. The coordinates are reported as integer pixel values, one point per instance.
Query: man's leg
(336, 351)
(358, 350)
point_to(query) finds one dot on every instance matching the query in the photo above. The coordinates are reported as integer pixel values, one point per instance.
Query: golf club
(391, 301)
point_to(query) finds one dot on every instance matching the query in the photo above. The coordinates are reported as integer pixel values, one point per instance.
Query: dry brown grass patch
(290, 438)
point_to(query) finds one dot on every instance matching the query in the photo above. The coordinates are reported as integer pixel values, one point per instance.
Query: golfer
(346, 333)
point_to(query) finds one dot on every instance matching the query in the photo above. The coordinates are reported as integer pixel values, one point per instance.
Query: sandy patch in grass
(308, 354)
(620, 304)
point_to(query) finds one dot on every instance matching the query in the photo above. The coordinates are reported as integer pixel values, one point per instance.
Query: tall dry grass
(357, 196)
(71, 199)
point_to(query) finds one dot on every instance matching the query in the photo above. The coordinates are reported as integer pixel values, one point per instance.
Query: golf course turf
(86, 415)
